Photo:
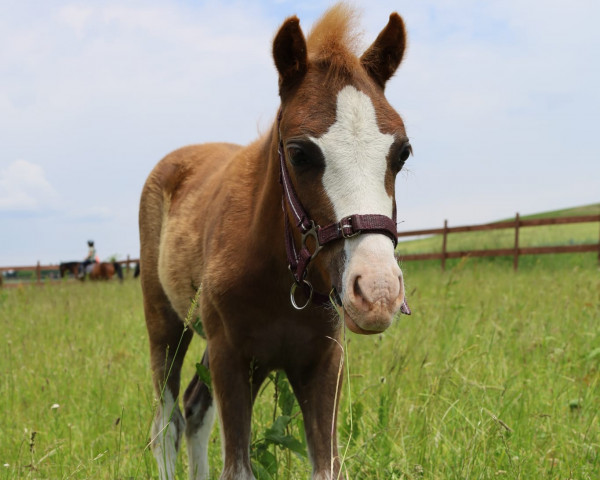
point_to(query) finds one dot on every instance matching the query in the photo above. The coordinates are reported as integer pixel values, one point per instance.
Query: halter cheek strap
(318, 237)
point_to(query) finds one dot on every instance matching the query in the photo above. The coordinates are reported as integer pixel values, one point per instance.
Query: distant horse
(211, 217)
(69, 267)
(104, 270)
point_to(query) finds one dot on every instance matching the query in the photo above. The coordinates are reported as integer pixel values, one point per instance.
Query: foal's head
(344, 145)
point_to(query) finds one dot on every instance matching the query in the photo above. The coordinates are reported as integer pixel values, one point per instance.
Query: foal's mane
(334, 40)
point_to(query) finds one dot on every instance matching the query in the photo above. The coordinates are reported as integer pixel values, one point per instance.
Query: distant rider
(91, 258)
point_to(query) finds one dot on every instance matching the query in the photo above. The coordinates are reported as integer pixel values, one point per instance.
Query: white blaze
(355, 152)
(356, 158)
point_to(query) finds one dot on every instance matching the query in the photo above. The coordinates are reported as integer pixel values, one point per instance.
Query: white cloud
(24, 188)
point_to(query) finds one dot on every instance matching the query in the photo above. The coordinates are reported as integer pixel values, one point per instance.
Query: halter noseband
(347, 227)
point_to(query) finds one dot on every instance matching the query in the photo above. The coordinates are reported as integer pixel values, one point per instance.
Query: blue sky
(500, 100)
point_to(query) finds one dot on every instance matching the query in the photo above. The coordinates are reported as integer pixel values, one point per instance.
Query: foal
(211, 216)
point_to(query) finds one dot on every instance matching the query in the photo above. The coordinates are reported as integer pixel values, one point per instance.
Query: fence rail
(516, 251)
(38, 269)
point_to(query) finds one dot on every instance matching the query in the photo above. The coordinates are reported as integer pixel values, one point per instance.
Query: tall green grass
(495, 375)
(74, 396)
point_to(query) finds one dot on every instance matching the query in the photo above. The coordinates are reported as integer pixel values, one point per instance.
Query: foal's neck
(266, 228)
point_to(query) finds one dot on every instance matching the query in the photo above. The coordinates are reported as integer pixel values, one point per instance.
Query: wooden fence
(38, 269)
(516, 249)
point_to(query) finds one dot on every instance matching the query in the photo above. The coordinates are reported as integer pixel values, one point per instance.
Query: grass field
(495, 375)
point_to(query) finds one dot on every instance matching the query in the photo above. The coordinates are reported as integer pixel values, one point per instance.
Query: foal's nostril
(357, 290)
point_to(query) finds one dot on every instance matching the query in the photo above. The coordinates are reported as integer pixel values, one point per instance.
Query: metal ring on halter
(293, 291)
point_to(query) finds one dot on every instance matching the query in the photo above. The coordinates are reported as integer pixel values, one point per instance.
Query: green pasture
(495, 375)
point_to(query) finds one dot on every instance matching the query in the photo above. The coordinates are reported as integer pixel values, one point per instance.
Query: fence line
(516, 251)
(38, 268)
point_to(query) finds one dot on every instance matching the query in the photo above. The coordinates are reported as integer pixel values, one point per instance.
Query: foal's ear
(289, 53)
(383, 57)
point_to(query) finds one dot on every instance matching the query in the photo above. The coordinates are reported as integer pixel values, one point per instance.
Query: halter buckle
(348, 224)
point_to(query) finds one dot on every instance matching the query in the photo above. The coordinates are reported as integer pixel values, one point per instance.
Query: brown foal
(314, 197)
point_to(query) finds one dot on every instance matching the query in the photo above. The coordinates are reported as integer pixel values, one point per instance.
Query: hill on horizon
(592, 209)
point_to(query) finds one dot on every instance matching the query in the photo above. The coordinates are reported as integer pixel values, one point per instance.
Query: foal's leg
(169, 340)
(236, 381)
(318, 391)
(199, 416)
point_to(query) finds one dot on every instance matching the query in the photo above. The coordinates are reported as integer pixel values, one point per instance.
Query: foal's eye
(298, 157)
(403, 153)
(305, 155)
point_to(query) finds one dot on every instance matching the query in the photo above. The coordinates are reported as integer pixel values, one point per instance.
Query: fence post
(127, 267)
(444, 244)
(599, 244)
(516, 257)
(38, 271)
